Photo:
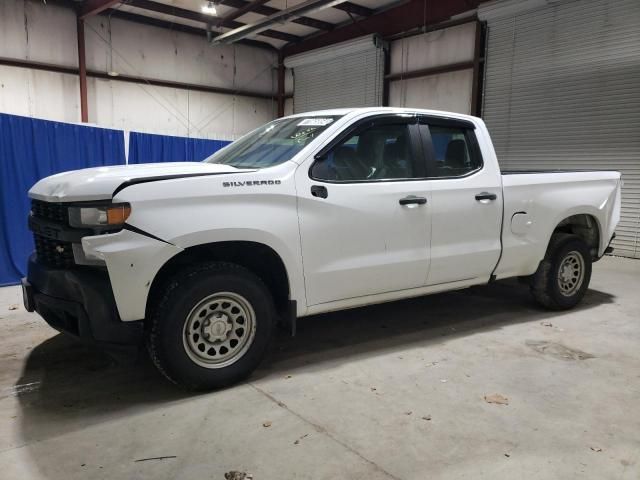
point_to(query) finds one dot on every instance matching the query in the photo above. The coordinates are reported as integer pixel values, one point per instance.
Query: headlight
(100, 216)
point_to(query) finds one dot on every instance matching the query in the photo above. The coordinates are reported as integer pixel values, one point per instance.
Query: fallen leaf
(497, 399)
(507, 455)
(288, 376)
(408, 413)
(596, 449)
(427, 418)
(546, 324)
(235, 475)
(266, 424)
(13, 307)
(373, 389)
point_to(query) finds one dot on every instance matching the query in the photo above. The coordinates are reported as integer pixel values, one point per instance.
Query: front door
(364, 212)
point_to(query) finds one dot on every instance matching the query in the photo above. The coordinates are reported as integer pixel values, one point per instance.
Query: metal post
(475, 85)
(280, 85)
(82, 70)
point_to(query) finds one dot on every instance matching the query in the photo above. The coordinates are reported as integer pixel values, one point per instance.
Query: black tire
(168, 341)
(547, 285)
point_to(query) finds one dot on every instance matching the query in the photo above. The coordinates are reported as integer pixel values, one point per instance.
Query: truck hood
(100, 183)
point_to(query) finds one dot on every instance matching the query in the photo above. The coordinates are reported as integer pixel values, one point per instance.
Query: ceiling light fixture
(209, 9)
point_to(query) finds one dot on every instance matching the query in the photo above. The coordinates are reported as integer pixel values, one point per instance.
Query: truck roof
(373, 110)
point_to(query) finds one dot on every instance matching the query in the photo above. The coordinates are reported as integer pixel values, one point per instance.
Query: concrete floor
(392, 391)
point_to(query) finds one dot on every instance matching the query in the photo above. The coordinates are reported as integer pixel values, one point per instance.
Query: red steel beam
(424, 72)
(48, 67)
(82, 71)
(410, 15)
(94, 7)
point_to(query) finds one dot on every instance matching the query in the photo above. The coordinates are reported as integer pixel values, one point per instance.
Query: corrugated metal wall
(344, 75)
(562, 90)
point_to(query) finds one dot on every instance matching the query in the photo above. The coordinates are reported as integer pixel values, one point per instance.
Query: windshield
(273, 143)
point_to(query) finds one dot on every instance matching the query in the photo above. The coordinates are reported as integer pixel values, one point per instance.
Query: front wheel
(212, 327)
(563, 275)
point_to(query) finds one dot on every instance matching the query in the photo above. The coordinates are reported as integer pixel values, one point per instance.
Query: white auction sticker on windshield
(315, 122)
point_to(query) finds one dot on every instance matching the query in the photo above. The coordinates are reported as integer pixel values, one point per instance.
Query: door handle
(319, 191)
(486, 196)
(413, 200)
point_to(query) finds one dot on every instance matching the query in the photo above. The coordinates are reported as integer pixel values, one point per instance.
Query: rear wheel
(212, 327)
(563, 275)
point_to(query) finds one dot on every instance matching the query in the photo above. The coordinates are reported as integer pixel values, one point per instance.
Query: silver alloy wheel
(219, 330)
(571, 273)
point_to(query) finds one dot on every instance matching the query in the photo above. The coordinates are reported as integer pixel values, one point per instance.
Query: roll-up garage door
(348, 74)
(562, 90)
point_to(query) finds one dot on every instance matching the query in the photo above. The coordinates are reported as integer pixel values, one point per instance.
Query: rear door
(466, 202)
(363, 208)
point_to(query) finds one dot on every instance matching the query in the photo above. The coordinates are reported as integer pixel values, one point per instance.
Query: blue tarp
(31, 149)
(147, 148)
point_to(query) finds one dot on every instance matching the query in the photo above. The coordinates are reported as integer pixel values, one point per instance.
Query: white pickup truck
(311, 213)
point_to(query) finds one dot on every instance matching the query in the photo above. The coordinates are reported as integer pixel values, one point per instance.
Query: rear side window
(455, 152)
(379, 152)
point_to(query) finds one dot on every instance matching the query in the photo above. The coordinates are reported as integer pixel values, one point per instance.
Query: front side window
(379, 152)
(454, 152)
(274, 143)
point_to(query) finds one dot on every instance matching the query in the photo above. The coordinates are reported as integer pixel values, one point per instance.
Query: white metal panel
(36, 93)
(444, 91)
(176, 56)
(562, 90)
(47, 33)
(173, 111)
(450, 91)
(433, 49)
(346, 75)
(37, 32)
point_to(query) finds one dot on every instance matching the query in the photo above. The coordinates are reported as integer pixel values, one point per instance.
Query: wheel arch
(257, 257)
(584, 225)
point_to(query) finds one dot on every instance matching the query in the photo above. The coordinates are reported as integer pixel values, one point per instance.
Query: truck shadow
(325, 340)
(65, 386)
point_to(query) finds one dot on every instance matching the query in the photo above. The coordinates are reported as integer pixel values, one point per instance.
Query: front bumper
(79, 302)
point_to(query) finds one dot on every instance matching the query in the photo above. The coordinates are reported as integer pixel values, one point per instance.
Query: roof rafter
(200, 17)
(267, 11)
(385, 22)
(238, 12)
(94, 7)
(354, 9)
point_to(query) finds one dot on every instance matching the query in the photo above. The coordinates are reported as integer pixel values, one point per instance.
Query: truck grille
(55, 212)
(52, 252)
